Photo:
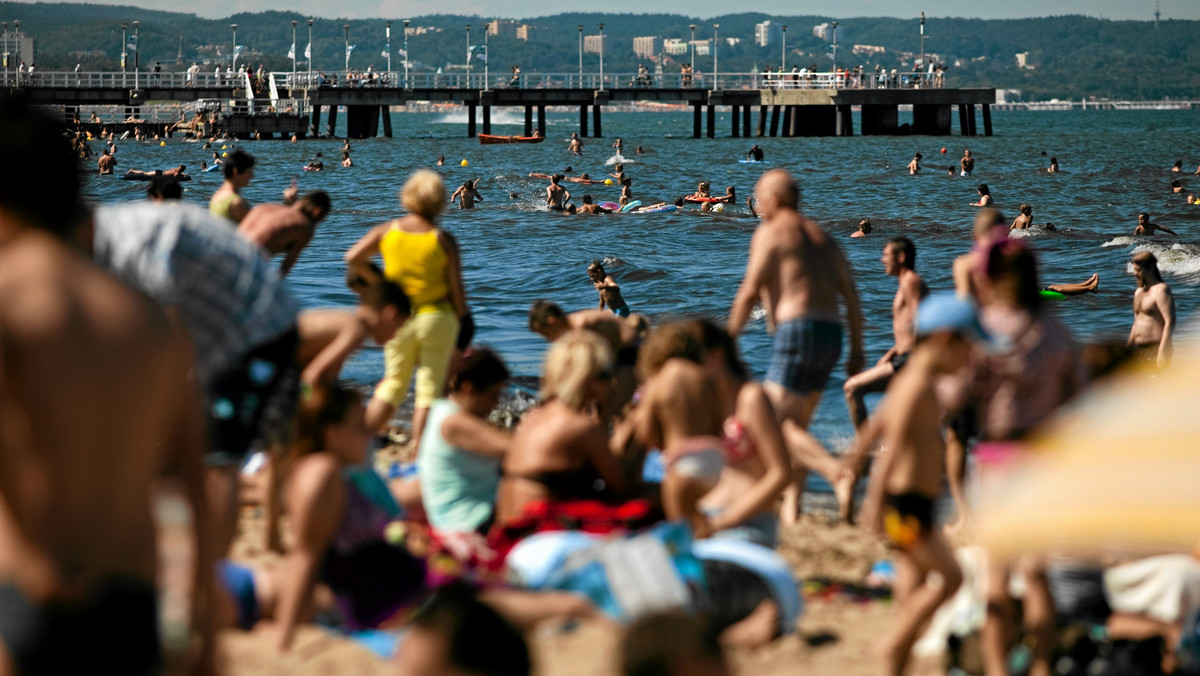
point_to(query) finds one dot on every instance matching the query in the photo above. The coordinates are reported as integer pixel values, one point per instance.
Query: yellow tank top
(219, 205)
(417, 262)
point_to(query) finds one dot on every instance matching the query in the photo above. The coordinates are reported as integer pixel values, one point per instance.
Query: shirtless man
(582, 178)
(899, 261)
(1147, 227)
(467, 194)
(227, 201)
(610, 291)
(989, 227)
(177, 173)
(1024, 218)
(575, 147)
(914, 166)
(279, 228)
(798, 273)
(556, 195)
(106, 163)
(346, 161)
(331, 336)
(591, 208)
(78, 561)
(907, 478)
(864, 229)
(1153, 312)
(967, 163)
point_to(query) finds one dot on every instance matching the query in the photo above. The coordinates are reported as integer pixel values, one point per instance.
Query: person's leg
(929, 554)
(1039, 614)
(528, 609)
(858, 386)
(436, 333)
(956, 472)
(399, 356)
(754, 631)
(799, 410)
(994, 636)
(1090, 285)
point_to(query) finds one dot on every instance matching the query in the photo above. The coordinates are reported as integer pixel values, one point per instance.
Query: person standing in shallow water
(967, 163)
(610, 291)
(1153, 313)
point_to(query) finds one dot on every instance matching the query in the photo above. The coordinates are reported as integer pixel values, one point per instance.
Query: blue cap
(945, 311)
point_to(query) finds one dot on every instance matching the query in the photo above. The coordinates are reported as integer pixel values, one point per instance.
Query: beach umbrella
(1118, 471)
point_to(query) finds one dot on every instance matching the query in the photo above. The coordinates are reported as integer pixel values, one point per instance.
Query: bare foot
(755, 631)
(843, 490)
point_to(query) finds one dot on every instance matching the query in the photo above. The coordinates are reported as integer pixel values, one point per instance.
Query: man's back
(92, 391)
(275, 227)
(809, 268)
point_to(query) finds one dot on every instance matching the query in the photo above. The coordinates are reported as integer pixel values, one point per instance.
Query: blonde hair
(572, 363)
(424, 194)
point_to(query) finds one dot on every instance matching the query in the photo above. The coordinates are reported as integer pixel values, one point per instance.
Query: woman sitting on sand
(753, 467)
(458, 463)
(560, 451)
(339, 539)
(985, 196)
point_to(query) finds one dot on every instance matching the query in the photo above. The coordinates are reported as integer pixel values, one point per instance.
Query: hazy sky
(987, 9)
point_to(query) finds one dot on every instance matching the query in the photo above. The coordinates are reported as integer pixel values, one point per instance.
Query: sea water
(687, 263)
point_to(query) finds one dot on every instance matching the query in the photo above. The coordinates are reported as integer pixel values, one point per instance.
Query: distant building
(732, 42)
(867, 50)
(421, 30)
(1023, 61)
(823, 32)
(523, 32)
(674, 46)
(595, 44)
(766, 33)
(647, 47)
(1008, 95)
(498, 27)
(703, 47)
(20, 44)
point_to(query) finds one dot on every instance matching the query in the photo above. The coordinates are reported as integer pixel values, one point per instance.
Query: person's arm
(358, 258)
(758, 418)
(748, 292)
(316, 502)
(854, 320)
(458, 296)
(327, 364)
(1165, 303)
(1166, 230)
(567, 196)
(475, 435)
(298, 246)
(595, 450)
(455, 194)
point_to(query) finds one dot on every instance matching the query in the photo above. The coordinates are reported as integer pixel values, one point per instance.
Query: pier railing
(481, 81)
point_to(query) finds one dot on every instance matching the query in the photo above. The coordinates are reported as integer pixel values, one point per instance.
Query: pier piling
(529, 120)
(471, 120)
(541, 120)
(583, 121)
(596, 120)
(696, 120)
(712, 119)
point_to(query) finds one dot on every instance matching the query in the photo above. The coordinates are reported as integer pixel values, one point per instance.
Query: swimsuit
(621, 311)
(806, 350)
(252, 404)
(219, 206)
(699, 458)
(110, 629)
(908, 518)
(898, 361)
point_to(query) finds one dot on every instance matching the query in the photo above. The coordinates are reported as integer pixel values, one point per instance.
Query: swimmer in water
(316, 164)
(575, 147)
(864, 229)
(1149, 228)
(582, 178)
(950, 171)
(441, 160)
(106, 162)
(967, 163)
(914, 166)
(610, 291)
(730, 196)
(1177, 167)
(618, 145)
(467, 194)
(589, 207)
(701, 192)
(556, 195)
(618, 173)
(626, 190)
(346, 161)
(1176, 187)
(985, 196)
(755, 154)
(639, 151)
(1053, 166)
(1024, 218)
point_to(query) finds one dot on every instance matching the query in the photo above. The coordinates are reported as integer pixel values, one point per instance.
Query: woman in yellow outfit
(423, 259)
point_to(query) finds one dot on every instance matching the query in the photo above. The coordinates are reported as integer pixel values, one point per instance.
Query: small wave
(1122, 240)
(759, 312)
(618, 159)
(1174, 260)
(1024, 234)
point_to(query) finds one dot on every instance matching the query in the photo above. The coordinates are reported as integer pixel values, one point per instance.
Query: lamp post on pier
(581, 56)
(293, 83)
(714, 77)
(346, 29)
(406, 22)
(783, 50)
(5, 24)
(692, 44)
(389, 48)
(601, 58)
(137, 50)
(308, 54)
(468, 55)
(124, 50)
(835, 53)
(233, 63)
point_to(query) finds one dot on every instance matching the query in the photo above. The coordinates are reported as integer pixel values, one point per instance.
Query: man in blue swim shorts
(800, 276)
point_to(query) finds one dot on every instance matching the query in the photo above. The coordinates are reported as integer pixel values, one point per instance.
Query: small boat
(488, 139)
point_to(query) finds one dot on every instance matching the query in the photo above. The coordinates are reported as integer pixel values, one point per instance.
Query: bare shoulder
(317, 474)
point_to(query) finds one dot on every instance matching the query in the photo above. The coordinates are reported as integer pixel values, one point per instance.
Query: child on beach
(610, 291)
(907, 477)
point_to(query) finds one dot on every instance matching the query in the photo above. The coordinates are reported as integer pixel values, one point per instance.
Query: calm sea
(689, 264)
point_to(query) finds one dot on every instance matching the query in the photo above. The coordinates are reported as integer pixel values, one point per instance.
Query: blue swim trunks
(622, 311)
(806, 350)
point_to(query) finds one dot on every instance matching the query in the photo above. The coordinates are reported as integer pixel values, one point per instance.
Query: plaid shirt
(231, 298)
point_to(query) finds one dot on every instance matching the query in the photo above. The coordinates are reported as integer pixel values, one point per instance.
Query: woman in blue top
(459, 458)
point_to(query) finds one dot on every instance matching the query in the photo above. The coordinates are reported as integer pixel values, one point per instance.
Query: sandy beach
(836, 633)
